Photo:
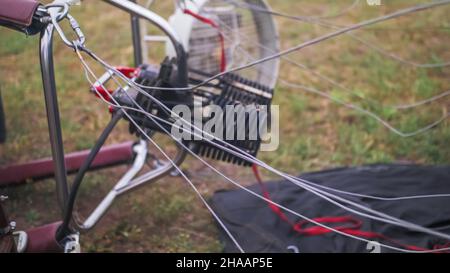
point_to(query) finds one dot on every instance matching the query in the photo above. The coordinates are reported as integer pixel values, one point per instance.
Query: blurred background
(316, 133)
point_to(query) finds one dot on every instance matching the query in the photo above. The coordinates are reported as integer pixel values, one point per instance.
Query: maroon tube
(43, 239)
(108, 156)
(7, 244)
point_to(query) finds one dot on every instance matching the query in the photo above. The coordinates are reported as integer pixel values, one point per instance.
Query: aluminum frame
(44, 238)
(127, 182)
(53, 119)
(138, 11)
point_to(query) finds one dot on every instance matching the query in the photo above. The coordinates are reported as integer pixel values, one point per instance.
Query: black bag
(259, 229)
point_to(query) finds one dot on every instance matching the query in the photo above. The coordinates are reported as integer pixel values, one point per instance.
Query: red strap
(266, 194)
(128, 72)
(352, 224)
(223, 62)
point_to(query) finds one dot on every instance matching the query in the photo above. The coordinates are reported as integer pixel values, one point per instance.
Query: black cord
(65, 229)
(2, 121)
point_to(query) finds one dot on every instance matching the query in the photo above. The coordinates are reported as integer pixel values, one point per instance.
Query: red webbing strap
(352, 224)
(223, 62)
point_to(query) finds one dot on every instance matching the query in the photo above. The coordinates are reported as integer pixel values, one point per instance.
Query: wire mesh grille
(238, 27)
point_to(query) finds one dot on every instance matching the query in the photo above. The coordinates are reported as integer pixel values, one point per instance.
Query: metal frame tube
(70, 204)
(136, 36)
(7, 243)
(51, 101)
(128, 182)
(53, 119)
(163, 25)
(108, 156)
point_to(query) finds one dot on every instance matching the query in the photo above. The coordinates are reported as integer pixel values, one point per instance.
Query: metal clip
(69, 2)
(8, 229)
(72, 244)
(57, 16)
(21, 240)
(76, 28)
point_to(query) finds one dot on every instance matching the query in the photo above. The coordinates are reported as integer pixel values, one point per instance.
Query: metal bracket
(21, 240)
(73, 244)
(128, 182)
(8, 228)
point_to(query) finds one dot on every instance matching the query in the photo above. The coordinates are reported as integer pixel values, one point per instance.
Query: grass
(315, 133)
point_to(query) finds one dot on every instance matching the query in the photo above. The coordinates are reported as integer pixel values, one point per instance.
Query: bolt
(3, 198)
(12, 225)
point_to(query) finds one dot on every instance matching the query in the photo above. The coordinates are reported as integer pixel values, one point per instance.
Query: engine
(244, 108)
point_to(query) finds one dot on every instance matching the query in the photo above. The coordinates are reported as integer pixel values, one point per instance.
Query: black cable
(2, 121)
(64, 229)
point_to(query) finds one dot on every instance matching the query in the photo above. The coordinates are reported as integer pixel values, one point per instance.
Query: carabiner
(56, 17)
(76, 28)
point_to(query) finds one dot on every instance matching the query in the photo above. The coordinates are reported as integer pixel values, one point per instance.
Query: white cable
(368, 113)
(312, 42)
(319, 223)
(388, 219)
(330, 36)
(87, 69)
(337, 84)
(321, 23)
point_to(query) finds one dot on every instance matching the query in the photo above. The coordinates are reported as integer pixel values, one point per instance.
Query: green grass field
(316, 133)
